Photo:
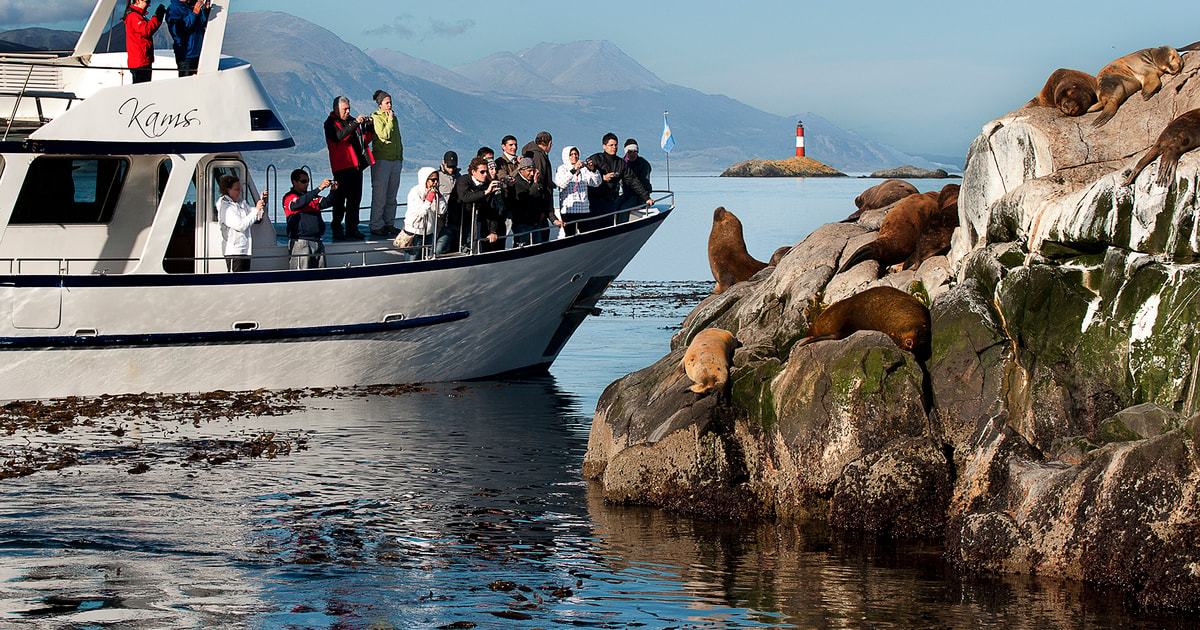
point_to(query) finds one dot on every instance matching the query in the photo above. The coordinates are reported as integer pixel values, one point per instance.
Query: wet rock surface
(1052, 431)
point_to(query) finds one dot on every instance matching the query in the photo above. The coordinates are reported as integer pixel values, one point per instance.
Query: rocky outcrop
(1053, 429)
(791, 167)
(909, 171)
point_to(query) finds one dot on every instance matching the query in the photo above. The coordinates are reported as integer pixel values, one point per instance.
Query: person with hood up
(426, 212)
(573, 178)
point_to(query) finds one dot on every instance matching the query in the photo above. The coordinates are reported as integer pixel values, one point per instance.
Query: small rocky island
(791, 167)
(909, 171)
(1053, 430)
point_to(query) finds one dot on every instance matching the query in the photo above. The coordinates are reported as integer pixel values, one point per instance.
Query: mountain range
(577, 91)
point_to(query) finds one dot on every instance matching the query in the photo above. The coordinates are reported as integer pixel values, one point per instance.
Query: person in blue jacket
(186, 20)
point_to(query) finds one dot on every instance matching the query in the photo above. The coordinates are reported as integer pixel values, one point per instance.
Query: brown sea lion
(881, 195)
(1141, 70)
(1180, 136)
(778, 255)
(708, 358)
(939, 228)
(727, 255)
(1071, 91)
(888, 310)
(899, 232)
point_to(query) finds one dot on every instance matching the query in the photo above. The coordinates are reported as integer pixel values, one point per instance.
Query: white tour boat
(111, 273)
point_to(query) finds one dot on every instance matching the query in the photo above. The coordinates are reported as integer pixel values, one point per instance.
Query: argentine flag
(668, 142)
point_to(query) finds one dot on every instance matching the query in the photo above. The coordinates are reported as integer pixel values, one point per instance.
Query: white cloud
(22, 13)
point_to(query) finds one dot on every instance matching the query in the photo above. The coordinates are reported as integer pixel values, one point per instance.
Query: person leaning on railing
(614, 174)
(305, 226)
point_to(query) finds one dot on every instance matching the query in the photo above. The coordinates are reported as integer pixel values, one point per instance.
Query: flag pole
(668, 154)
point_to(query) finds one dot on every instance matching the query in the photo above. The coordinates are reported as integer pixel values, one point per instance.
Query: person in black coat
(604, 198)
(526, 199)
(641, 170)
(477, 191)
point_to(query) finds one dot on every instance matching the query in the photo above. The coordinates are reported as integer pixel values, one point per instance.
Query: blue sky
(923, 77)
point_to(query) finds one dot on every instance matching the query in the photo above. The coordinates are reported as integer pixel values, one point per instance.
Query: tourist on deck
(506, 164)
(235, 217)
(186, 21)
(305, 226)
(348, 139)
(539, 152)
(477, 192)
(641, 170)
(525, 200)
(426, 210)
(614, 174)
(573, 178)
(139, 38)
(385, 172)
(450, 232)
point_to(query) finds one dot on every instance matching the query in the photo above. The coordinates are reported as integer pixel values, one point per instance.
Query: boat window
(70, 190)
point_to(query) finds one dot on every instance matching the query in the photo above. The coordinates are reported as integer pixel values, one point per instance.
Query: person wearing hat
(525, 199)
(641, 170)
(389, 163)
(449, 233)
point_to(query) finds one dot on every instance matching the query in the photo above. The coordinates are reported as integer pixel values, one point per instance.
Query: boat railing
(33, 76)
(369, 254)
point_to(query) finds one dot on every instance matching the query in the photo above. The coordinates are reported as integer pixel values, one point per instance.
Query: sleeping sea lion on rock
(1141, 70)
(1071, 91)
(939, 228)
(1180, 136)
(880, 196)
(708, 359)
(727, 255)
(888, 310)
(899, 232)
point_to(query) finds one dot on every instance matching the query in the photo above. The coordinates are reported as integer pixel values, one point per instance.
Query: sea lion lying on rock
(1141, 70)
(708, 359)
(888, 310)
(727, 256)
(938, 228)
(880, 196)
(1071, 91)
(1180, 136)
(899, 232)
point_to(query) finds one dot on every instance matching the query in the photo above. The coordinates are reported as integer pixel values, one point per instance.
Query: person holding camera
(539, 152)
(573, 178)
(139, 38)
(305, 226)
(349, 142)
(426, 209)
(186, 21)
(236, 216)
(614, 174)
(478, 192)
(525, 198)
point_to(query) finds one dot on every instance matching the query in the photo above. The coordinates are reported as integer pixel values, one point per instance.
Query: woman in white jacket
(235, 217)
(426, 209)
(573, 178)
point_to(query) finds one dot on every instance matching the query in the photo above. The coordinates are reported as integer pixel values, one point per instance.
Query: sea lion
(881, 195)
(888, 310)
(708, 358)
(727, 255)
(939, 228)
(899, 232)
(778, 255)
(1180, 136)
(1139, 70)
(1071, 91)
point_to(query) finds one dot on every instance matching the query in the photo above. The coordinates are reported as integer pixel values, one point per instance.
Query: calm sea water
(462, 505)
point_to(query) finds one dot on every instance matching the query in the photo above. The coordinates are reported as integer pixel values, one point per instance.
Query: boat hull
(435, 320)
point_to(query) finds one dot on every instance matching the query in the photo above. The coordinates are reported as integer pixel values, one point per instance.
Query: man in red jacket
(349, 142)
(139, 38)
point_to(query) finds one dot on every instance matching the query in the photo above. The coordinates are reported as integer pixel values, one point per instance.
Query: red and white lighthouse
(800, 138)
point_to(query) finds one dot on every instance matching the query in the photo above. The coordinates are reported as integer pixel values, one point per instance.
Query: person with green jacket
(385, 172)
